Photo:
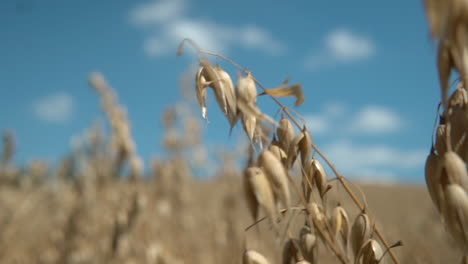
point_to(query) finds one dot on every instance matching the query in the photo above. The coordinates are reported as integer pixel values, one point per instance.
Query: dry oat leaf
(253, 257)
(360, 232)
(230, 93)
(277, 176)
(292, 90)
(214, 81)
(259, 194)
(432, 175)
(309, 245)
(285, 133)
(456, 215)
(370, 253)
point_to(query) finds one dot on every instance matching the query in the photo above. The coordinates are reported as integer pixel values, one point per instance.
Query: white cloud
(341, 46)
(353, 158)
(347, 46)
(55, 108)
(170, 25)
(317, 124)
(376, 120)
(156, 12)
(329, 116)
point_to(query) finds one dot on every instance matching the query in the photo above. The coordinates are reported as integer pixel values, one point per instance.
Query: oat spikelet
(305, 146)
(360, 232)
(278, 152)
(319, 176)
(456, 215)
(309, 244)
(285, 133)
(230, 94)
(291, 252)
(432, 174)
(340, 224)
(277, 177)
(370, 253)
(246, 89)
(253, 257)
(214, 81)
(201, 91)
(444, 65)
(259, 194)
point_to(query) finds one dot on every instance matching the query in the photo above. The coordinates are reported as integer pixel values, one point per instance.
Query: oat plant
(284, 179)
(446, 166)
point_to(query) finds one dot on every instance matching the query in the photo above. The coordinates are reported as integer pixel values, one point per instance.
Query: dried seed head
(253, 257)
(371, 252)
(278, 152)
(437, 13)
(340, 223)
(246, 89)
(277, 176)
(441, 139)
(214, 81)
(201, 90)
(444, 65)
(231, 100)
(360, 232)
(432, 173)
(319, 176)
(459, 98)
(285, 132)
(291, 251)
(456, 214)
(258, 193)
(305, 146)
(309, 244)
(249, 123)
(454, 170)
(294, 150)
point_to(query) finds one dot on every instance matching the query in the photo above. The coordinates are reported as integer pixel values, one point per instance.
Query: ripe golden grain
(277, 176)
(360, 232)
(253, 257)
(259, 193)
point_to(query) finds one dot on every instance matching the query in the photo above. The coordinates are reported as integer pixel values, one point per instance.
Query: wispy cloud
(341, 46)
(376, 120)
(369, 119)
(364, 160)
(169, 24)
(55, 108)
(326, 119)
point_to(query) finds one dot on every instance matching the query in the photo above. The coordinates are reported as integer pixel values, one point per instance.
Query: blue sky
(367, 70)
